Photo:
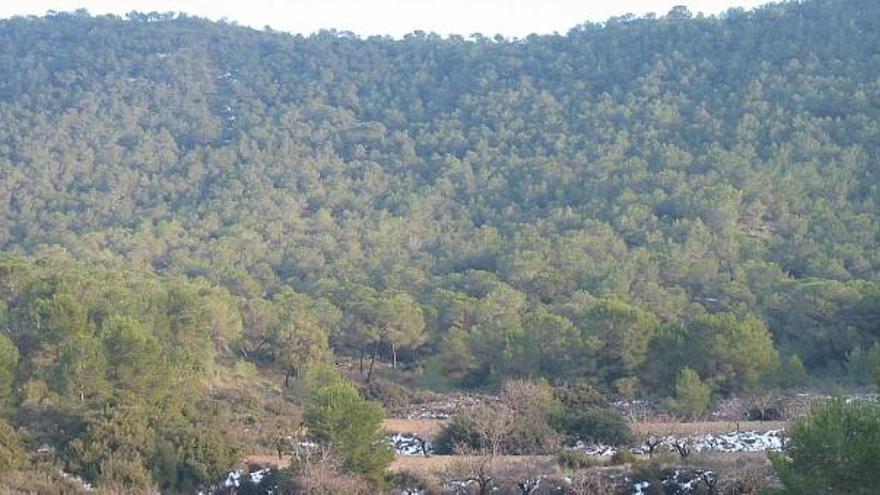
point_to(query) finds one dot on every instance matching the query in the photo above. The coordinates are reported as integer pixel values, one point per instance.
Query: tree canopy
(612, 205)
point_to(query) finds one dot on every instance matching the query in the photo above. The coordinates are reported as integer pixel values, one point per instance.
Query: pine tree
(692, 396)
(339, 417)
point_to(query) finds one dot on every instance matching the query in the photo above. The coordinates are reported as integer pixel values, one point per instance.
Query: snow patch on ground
(234, 480)
(734, 441)
(680, 482)
(407, 444)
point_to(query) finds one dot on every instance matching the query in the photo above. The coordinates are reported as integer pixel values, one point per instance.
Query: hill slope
(686, 165)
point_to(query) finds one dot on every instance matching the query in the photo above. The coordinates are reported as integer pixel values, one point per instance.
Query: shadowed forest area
(199, 221)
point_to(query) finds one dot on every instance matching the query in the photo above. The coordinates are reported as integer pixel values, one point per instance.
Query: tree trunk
(362, 360)
(393, 357)
(373, 362)
(287, 377)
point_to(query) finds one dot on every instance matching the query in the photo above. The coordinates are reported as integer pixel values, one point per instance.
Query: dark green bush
(459, 432)
(389, 394)
(518, 434)
(579, 395)
(833, 450)
(594, 425)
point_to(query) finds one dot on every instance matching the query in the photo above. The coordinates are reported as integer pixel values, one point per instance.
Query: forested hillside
(679, 165)
(612, 204)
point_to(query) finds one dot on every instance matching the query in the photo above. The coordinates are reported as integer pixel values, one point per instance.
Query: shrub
(315, 376)
(530, 435)
(12, 454)
(692, 396)
(125, 475)
(833, 450)
(594, 425)
(575, 459)
(623, 456)
(497, 429)
(459, 432)
(792, 373)
(338, 416)
(579, 395)
(388, 393)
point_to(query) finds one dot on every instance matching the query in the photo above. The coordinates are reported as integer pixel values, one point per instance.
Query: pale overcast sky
(395, 17)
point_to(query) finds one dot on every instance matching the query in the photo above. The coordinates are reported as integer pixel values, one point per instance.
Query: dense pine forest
(184, 202)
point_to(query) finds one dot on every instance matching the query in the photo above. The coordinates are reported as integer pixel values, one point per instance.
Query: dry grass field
(437, 463)
(641, 429)
(425, 428)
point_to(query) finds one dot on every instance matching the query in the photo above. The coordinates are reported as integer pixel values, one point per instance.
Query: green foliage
(115, 437)
(460, 431)
(12, 454)
(488, 199)
(338, 416)
(792, 373)
(877, 375)
(861, 365)
(563, 207)
(594, 425)
(9, 358)
(124, 445)
(125, 474)
(387, 393)
(692, 396)
(119, 371)
(529, 435)
(735, 352)
(132, 356)
(731, 353)
(521, 423)
(579, 395)
(833, 450)
(314, 377)
(624, 332)
(583, 414)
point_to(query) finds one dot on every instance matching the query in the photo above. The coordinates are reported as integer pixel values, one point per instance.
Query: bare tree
(651, 443)
(318, 472)
(711, 481)
(592, 483)
(479, 463)
(493, 424)
(474, 467)
(683, 447)
(526, 396)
